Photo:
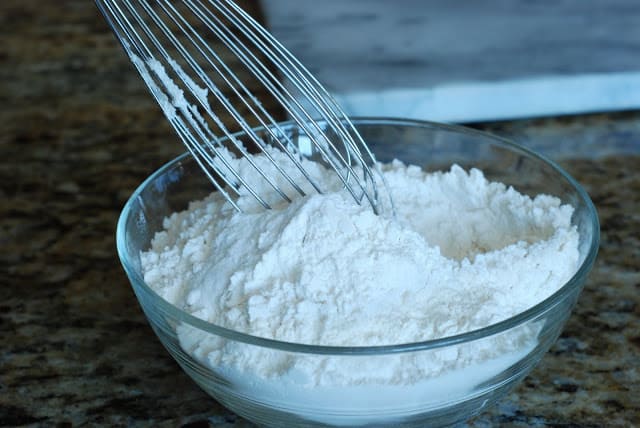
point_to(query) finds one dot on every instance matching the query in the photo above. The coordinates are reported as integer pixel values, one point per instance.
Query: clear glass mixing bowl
(289, 401)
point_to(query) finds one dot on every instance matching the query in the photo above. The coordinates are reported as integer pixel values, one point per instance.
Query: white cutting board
(467, 60)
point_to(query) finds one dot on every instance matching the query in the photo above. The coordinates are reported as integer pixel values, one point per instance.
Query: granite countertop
(78, 132)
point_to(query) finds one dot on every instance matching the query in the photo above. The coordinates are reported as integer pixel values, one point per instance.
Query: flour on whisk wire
(461, 254)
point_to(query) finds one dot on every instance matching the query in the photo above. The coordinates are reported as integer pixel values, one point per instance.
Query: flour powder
(460, 254)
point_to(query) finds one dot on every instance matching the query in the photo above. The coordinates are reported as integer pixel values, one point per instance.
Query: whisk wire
(228, 76)
(202, 100)
(147, 32)
(271, 83)
(192, 144)
(270, 123)
(304, 81)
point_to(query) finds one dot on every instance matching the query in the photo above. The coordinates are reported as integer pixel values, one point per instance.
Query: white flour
(462, 253)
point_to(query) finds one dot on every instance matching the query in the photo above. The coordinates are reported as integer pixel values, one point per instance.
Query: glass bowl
(450, 397)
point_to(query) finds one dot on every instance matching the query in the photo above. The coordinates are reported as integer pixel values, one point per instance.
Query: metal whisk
(170, 43)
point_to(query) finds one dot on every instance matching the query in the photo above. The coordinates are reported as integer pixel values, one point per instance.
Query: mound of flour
(461, 253)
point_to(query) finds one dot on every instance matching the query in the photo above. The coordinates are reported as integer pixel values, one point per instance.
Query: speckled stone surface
(78, 132)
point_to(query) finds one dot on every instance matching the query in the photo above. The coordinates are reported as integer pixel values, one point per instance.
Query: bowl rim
(137, 281)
